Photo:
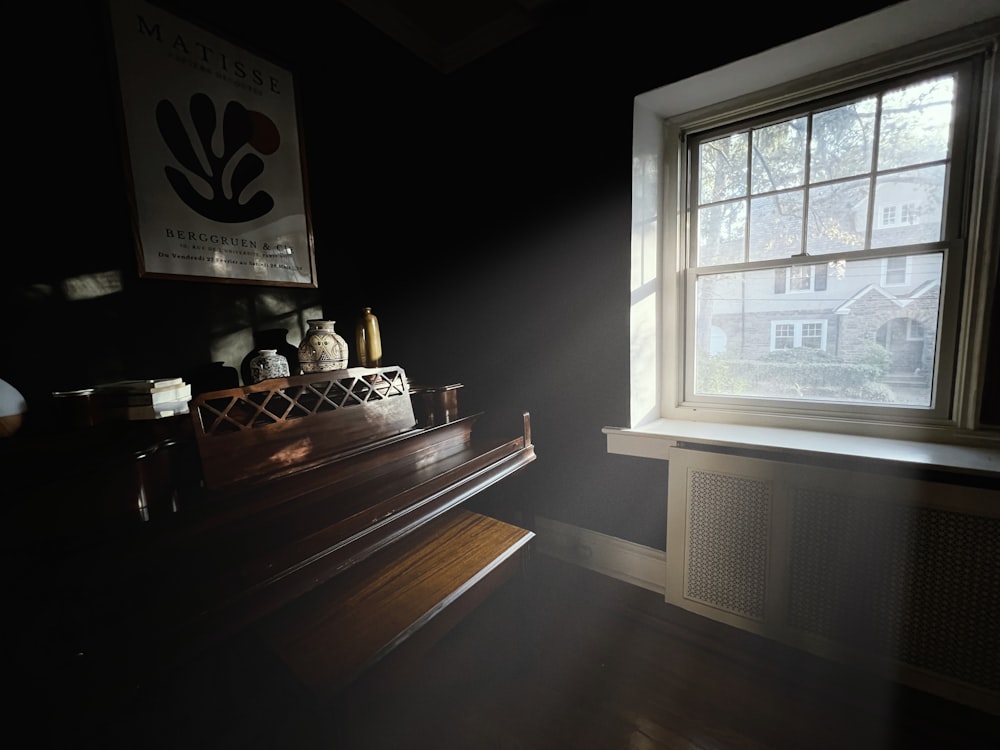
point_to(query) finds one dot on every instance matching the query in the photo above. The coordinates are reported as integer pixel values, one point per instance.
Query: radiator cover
(891, 573)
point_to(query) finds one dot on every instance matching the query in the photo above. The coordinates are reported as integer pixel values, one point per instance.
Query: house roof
(902, 300)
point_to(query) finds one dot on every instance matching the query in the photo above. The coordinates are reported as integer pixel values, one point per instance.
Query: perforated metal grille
(918, 585)
(727, 542)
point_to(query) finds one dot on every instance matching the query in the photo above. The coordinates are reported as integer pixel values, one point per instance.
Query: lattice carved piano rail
(264, 428)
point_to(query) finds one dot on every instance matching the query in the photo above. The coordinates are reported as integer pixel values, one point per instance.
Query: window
(895, 271)
(790, 187)
(797, 334)
(782, 336)
(800, 279)
(798, 227)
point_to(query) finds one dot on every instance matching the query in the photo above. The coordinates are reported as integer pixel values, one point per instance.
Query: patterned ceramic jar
(322, 348)
(268, 364)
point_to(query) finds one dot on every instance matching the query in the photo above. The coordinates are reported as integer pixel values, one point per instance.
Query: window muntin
(843, 181)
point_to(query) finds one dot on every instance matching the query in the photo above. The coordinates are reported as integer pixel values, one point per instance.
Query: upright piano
(319, 515)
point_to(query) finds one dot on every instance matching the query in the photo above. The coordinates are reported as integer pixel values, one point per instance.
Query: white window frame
(908, 214)
(789, 289)
(887, 215)
(852, 51)
(797, 326)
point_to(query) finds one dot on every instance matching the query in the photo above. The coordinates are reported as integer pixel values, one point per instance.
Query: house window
(811, 335)
(799, 220)
(800, 279)
(895, 271)
(798, 334)
(783, 336)
(776, 191)
(890, 216)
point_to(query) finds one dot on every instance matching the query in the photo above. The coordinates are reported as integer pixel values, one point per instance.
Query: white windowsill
(655, 439)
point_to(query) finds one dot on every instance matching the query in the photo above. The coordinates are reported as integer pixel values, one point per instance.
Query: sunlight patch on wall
(92, 285)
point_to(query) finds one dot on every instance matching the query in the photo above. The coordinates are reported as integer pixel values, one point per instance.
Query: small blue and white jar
(268, 364)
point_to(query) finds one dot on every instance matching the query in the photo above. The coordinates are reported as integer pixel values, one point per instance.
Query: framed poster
(213, 153)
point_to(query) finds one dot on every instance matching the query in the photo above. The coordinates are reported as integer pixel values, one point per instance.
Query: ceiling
(448, 34)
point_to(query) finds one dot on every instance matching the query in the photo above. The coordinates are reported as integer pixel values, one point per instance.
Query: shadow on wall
(96, 328)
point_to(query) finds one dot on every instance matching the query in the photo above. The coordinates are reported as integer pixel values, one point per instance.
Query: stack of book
(143, 399)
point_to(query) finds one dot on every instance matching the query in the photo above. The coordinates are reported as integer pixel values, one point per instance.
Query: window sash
(967, 75)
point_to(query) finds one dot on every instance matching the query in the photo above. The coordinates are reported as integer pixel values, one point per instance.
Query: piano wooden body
(312, 511)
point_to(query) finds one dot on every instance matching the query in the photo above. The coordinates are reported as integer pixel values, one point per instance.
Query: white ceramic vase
(268, 364)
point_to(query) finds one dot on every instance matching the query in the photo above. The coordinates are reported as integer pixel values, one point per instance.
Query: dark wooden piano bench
(378, 618)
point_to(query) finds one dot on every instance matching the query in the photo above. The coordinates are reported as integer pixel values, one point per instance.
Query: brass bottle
(369, 340)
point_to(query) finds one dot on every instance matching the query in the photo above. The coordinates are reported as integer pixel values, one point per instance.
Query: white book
(147, 398)
(153, 385)
(149, 411)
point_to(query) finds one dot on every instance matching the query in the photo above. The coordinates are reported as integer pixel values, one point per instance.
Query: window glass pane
(779, 156)
(838, 214)
(910, 205)
(776, 226)
(916, 123)
(849, 340)
(799, 278)
(722, 234)
(812, 335)
(895, 271)
(842, 141)
(784, 336)
(722, 168)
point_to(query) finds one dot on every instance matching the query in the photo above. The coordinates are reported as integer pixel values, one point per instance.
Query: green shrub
(876, 356)
(720, 374)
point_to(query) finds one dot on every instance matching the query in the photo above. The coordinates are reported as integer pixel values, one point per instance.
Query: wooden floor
(578, 661)
(597, 664)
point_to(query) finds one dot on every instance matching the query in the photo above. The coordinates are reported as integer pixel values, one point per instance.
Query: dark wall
(484, 215)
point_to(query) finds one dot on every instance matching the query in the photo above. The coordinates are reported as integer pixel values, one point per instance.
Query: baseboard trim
(611, 556)
(644, 566)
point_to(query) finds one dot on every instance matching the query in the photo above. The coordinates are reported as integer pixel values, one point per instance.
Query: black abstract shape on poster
(240, 127)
